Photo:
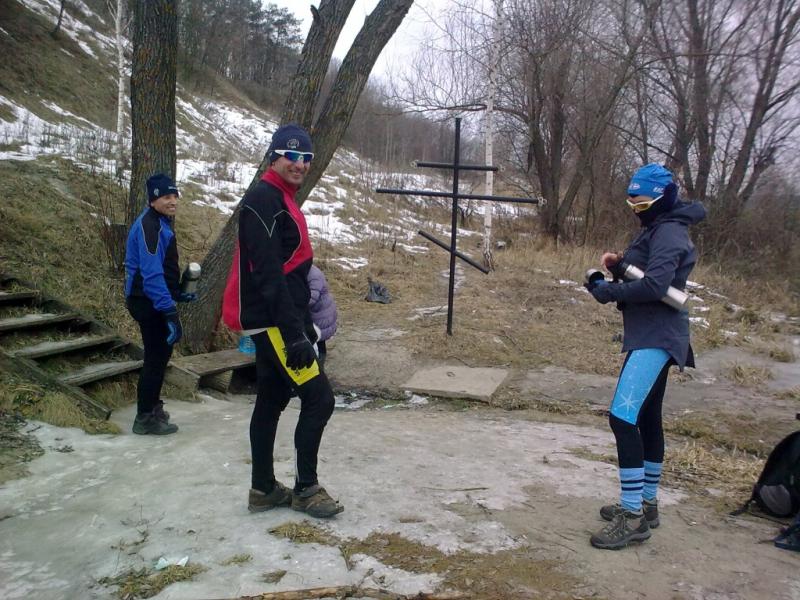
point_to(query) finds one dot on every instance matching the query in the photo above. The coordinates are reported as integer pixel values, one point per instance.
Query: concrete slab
(457, 382)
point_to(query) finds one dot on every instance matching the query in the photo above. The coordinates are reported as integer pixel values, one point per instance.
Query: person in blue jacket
(152, 289)
(656, 336)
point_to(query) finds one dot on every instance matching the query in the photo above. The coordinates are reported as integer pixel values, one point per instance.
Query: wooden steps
(26, 339)
(15, 298)
(36, 320)
(96, 372)
(45, 349)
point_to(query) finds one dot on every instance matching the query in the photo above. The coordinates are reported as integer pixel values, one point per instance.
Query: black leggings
(275, 387)
(645, 440)
(156, 353)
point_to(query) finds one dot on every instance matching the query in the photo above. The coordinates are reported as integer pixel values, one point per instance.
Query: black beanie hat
(289, 137)
(160, 185)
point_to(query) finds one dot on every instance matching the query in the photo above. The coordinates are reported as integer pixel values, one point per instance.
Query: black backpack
(777, 491)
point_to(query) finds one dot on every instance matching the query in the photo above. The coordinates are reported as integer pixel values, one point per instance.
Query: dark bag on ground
(777, 491)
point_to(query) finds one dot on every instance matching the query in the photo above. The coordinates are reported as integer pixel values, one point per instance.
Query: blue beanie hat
(654, 181)
(160, 185)
(650, 180)
(289, 137)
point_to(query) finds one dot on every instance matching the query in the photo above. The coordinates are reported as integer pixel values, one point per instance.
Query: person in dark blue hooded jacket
(656, 336)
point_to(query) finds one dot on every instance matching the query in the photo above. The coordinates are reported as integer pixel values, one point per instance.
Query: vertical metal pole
(454, 227)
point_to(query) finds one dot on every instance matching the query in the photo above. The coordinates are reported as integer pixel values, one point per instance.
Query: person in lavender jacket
(323, 309)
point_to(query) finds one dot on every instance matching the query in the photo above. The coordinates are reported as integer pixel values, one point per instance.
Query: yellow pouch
(300, 376)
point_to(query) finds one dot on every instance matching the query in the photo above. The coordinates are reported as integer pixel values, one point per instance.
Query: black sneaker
(649, 507)
(625, 528)
(150, 424)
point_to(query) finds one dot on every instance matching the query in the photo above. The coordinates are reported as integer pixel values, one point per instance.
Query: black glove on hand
(187, 297)
(618, 269)
(300, 354)
(174, 329)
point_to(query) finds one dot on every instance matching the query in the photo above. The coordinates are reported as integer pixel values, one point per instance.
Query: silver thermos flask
(674, 298)
(190, 278)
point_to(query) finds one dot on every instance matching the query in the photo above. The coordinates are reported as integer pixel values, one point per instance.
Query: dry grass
(517, 573)
(790, 394)
(748, 375)
(727, 476)
(35, 402)
(146, 583)
(237, 559)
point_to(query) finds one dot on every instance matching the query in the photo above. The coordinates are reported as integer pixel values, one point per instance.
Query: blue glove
(174, 329)
(602, 292)
(187, 297)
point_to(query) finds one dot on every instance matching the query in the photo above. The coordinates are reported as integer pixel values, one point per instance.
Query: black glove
(187, 297)
(174, 329)
(300, 354)
(618, 269)
(601, 292)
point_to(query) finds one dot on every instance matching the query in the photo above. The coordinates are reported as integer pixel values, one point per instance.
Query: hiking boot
(160, 413)
(315, 501)
(625, 528)
(649, 507)
(151, 424)
(258, 501)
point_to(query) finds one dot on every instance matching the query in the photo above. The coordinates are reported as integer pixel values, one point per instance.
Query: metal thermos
(674, 298)
(190, 278)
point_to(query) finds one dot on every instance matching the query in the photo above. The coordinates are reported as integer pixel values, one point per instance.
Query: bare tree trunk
(120, 26)
(335, 116)
(54, 33)
(329, 19)
(200, 318)
(153, 80)
(488, 257)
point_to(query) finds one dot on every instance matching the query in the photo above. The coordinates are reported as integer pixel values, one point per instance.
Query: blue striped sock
(652, 475)
(631, 484)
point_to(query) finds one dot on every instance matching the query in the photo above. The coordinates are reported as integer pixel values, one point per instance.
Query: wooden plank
(100, 371)
(30, 370)
(215, 362)
(181, 378)
(36, 320)
(17, 297)
(52, 348)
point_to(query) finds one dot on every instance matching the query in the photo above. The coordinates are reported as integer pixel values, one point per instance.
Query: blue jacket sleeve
(151, 266)
(668, 245)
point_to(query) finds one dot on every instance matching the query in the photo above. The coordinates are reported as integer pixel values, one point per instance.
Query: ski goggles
(642, 205)
(294, 155)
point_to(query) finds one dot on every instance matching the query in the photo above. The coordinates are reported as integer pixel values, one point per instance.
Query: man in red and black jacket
(267, 298)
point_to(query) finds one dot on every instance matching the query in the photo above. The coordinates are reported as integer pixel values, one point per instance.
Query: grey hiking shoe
(650, 509)
(150, 424)
(160, 413)
(258, 501)
(625, 528)
(315, 501)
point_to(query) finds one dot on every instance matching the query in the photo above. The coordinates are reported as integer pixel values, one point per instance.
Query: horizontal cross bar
(458, 196)
(463, 257)
(438, 165)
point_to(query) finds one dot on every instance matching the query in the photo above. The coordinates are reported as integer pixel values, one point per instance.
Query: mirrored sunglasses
(294, 155)
(642, 205)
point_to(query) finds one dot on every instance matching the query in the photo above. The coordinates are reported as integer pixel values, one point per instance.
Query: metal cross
(456, 167)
